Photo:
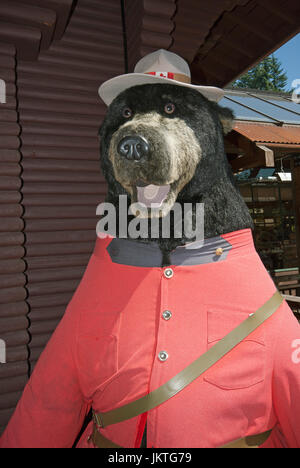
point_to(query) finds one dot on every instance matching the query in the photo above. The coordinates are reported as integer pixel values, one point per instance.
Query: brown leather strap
(247, 442)
(194, 370)
(254, 441)
(100, 441)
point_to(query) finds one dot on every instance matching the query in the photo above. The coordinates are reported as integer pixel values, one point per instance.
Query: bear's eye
(170, 108)
(127, 113)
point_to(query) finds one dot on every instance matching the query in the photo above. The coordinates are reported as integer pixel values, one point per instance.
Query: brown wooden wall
(13, 306)
(60, 114)
(50, 181)
(296, 197)
(149, 24)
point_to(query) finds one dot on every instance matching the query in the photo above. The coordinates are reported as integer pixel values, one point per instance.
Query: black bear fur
(212, 183)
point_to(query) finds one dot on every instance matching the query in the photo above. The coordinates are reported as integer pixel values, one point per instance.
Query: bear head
(162, 144)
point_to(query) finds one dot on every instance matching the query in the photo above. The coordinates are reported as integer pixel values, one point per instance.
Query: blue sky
(289, 56)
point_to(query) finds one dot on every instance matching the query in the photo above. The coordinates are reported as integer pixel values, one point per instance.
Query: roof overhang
(252, 145)
(220, 39)
(242, 35)
(32, 25)
(246, 153)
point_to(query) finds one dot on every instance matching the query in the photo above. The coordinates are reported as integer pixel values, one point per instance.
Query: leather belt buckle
(97, 420)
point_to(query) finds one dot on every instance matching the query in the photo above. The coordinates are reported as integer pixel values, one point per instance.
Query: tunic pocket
(244, 365)
(97, 351)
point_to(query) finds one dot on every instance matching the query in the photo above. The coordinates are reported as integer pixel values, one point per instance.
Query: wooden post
(296, 197)
(254, 154)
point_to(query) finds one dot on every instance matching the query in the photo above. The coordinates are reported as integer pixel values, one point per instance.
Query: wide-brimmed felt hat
(160, 66)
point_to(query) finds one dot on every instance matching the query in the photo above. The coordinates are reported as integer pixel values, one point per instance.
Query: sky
(289, 56)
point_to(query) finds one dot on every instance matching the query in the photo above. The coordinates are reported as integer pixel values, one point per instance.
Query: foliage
(268, 75)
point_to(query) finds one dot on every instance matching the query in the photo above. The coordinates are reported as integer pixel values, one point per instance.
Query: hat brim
(109, 90)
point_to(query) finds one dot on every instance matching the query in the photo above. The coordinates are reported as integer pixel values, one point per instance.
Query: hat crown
(157, 67)
(163, 61)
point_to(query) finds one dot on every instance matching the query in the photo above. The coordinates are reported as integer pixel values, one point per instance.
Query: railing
(294, 303)
(287, 280)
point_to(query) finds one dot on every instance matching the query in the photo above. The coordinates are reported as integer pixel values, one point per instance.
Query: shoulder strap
(194, 370)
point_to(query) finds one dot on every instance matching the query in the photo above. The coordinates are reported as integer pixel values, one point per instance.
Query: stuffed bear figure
(164, 289)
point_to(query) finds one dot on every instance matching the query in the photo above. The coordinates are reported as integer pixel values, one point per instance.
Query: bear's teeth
(153, 194)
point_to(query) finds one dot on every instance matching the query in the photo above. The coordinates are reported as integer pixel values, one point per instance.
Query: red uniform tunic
(106, 351)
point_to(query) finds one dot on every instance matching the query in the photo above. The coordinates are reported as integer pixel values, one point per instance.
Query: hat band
(171, 76)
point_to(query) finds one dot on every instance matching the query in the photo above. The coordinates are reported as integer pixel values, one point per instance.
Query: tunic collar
(213, 250)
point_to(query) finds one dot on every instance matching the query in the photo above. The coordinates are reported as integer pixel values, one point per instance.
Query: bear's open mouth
(153, 195)
(153, 201)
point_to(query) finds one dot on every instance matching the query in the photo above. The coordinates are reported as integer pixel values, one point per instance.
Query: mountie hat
(161, 66)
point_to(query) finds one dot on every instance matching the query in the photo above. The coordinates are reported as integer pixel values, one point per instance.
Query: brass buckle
(97, 420)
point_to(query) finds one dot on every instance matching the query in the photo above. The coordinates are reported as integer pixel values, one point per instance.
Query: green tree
(268, 75)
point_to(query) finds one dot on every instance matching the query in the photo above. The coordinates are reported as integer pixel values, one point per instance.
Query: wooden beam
(249, 27)
(291, 298)
(251, 161)
(205, 75)
(238, 47)
(269, 155)
(296, 199)
(255, 155)
(278, 11)
(294, 148)
(232, 149)
(211, 66)
(219, 58)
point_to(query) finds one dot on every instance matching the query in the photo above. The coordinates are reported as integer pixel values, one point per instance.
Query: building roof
(268, 133)
(242, 33)
(265, 116)
(220, 39)
(267, 126)
(32, 25)
(262, 106)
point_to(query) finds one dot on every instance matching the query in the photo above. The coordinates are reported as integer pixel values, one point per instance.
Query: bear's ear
(226, 117)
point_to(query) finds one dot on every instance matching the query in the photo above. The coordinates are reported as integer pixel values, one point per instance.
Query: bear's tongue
(153, 194)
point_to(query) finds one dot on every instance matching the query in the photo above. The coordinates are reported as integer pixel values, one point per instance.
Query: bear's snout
(153, 157)
(133, 147)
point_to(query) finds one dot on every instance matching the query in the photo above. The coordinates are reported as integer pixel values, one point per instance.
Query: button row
(163, 355)
(166, 315)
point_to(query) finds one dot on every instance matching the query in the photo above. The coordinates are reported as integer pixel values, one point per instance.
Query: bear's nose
(133, 147)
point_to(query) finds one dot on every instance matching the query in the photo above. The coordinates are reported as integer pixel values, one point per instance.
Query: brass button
(219, 252)
(167, 314)
(168, 273)
(163, 356)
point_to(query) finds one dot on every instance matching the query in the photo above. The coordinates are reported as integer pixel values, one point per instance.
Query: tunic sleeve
(52, 408)
(286, 384)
